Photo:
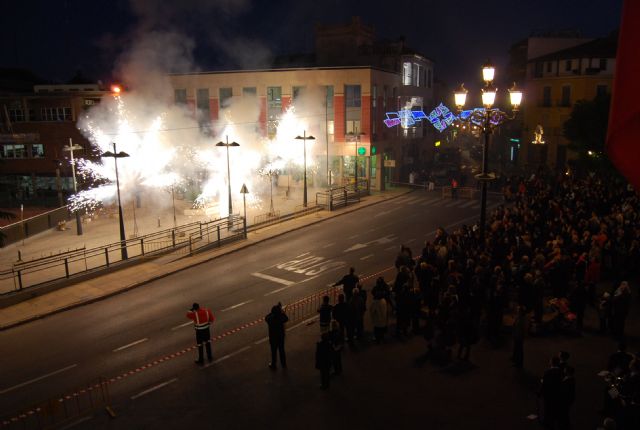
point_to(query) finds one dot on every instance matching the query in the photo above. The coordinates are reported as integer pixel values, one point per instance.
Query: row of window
(569, 65)
(565, 97)
(30, 150)
(46, 114)
(416, 75)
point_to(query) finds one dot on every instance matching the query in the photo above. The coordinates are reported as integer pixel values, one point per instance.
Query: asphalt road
(60, 353)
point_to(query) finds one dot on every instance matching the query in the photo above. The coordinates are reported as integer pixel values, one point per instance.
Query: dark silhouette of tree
(586, 128)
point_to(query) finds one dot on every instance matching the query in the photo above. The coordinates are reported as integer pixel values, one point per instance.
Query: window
(202, 99)
(415, 75)
(225, 97)
(549, 66)
(249, 92)
(546, 97)
(537, 73)
(14, 151)
(406, 73)
(16, 115)
(352, 96)
(566, 96)
(274, 109)
(601, 90)
(353, 127)
(603, 64)
(37, 150)
(180, 96)
(297, 92)
(55, 114)
(567, 66)
(374, 94)
(329, 99)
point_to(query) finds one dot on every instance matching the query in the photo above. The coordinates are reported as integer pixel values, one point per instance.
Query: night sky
(56, 38)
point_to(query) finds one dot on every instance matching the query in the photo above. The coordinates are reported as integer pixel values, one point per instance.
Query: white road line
(236, 306)
(307, 321)
(469, 203)
(427, 203)
(272, 278)
(129, 345)
(391, 248)
(366, 256)
(263, 340)
(302, 255)
(224, 357)
(154, 388)
(276, 291)
(409, 241)
(39, 378)
(182, 325)
(329, 244)
(386, 212)
(413, 201)
(353, 237)
(453, 202)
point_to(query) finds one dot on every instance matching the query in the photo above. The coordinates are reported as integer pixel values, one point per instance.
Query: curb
(239, 247)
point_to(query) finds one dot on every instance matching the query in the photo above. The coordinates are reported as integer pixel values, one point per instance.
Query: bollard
(66, 267)
(106, 256)
(158, 222)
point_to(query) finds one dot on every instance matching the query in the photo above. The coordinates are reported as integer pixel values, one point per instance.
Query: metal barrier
(62, 410)
(266, 219)
(304, 308)
(342, 196)
(187, 239)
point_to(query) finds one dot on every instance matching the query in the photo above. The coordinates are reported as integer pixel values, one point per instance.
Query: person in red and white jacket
(202, 319)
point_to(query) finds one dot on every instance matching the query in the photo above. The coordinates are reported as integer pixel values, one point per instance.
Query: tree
(586, 128)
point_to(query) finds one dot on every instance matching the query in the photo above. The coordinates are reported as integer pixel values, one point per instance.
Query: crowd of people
(542, 260)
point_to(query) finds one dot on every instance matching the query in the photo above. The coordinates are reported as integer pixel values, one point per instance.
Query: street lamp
(304, 139)
(70, 148)
(357, 141)
(487, 118)
(227, 145)
(244, 191)
(115, 155)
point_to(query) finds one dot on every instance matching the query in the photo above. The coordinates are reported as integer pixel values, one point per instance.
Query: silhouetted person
(323, 359)
(276, 321)
(348, 282)
(550, 391)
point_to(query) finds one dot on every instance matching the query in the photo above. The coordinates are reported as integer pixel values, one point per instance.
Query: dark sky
(55, 38)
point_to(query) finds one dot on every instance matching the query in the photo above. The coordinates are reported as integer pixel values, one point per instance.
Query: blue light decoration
(441, 117)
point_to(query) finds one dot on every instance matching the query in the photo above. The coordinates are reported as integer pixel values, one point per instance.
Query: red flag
(623, 135)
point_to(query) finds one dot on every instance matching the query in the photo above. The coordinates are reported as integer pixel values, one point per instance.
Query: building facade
(35, 127)
(554, 83)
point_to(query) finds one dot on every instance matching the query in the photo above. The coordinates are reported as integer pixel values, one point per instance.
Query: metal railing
(62, 410)
(308, 306)
(188, 238)
(335, 197)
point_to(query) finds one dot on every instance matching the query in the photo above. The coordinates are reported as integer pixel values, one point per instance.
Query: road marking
(236, 306)
(276, 291)
(263, 340)
(182, 325)
(272, 278)
(386, 212)
(427, 203)
(224, 357)
(39, 378)
(353, 237)
(366, 256)
(154, 388)
(409, 241)
(329, 244)
(469, 203)
(391, 248)
(307, 321)
(413, 201)
(356, 247)
(129, 345)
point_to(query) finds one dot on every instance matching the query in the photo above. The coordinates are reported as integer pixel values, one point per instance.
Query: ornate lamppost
(115, 155)
(227, 145)
(487, 118)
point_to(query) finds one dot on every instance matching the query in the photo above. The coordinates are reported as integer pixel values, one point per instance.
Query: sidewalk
(107, 285)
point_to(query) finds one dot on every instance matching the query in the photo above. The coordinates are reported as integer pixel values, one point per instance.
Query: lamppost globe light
(488, 72)
(516, 97)
(488, 96)
(460, 97)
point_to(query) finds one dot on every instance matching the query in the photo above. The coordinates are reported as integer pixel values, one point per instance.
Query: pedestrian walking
(202, 319)
(325, 315)
(348, 282)
(323, 359)
(276, 321)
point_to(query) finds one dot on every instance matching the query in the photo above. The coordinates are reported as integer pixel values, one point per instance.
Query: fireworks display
(168, 150)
